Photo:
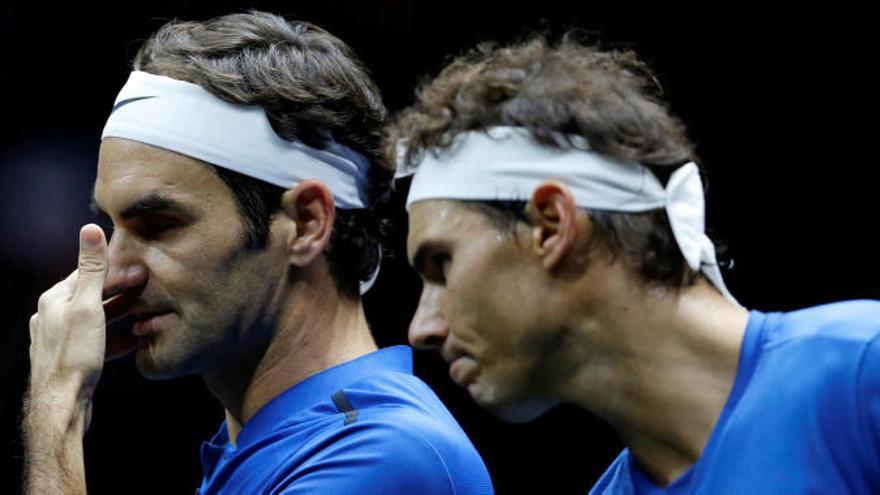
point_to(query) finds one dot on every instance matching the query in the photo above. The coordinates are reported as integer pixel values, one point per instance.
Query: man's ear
(311, 207)
(554, 224)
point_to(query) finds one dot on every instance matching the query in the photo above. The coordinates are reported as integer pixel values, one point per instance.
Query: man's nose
(428, 329)
(126, 270)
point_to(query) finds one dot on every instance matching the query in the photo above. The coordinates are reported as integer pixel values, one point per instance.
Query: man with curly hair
(556, 217)
(239, 167)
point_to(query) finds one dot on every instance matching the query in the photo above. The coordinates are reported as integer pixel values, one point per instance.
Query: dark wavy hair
(609, 97)
(310, 84)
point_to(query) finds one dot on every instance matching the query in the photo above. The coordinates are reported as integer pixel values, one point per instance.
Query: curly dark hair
(310, 84)
(609, 97)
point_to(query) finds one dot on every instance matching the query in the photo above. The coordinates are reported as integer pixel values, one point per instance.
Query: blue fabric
(802, 417)
(399, 438)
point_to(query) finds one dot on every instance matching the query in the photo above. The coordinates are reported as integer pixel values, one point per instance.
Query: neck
(659, 366)
(317, 329)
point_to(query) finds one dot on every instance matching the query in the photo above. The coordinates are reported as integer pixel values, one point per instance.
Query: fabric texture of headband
(507, 163)
(183, 117)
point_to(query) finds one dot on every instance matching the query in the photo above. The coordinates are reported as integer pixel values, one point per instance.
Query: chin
(508, 409)
(150, 370)
(153, 365)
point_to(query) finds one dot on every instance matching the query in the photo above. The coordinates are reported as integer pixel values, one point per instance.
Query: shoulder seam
(439, 457)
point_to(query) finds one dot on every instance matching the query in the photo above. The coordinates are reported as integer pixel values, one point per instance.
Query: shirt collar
(319, 388)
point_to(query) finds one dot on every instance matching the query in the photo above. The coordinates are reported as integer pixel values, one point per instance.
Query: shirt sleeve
(371, 459)
(868, 396)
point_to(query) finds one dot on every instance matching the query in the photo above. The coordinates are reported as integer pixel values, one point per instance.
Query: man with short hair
(238, 166)
(557, 221)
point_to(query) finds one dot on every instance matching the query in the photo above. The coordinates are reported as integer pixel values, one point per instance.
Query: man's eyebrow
(151, 204)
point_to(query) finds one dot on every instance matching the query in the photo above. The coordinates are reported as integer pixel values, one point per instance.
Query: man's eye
(438, 266)
(154, 226)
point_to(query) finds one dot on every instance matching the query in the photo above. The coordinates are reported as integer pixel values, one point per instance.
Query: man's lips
(463, 370)
(149, 322)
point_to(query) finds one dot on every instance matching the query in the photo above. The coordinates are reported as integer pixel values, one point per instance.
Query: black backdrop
(779, 100)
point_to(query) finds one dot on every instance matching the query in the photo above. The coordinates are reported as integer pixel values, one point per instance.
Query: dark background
(779, 100)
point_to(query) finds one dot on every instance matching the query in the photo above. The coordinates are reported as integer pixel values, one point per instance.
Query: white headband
(182, 117)
(506, 163)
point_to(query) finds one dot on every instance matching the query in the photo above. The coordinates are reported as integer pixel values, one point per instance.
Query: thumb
(92, 268)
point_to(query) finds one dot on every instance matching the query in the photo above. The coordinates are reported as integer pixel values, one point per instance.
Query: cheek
(188, 274)
(488, 290)
(479, 313)
(500, 294)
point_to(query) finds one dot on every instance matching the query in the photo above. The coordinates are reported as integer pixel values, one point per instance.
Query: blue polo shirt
(803, 415)
(367, 426)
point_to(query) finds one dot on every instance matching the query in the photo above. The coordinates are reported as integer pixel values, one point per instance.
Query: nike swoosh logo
(127, 101)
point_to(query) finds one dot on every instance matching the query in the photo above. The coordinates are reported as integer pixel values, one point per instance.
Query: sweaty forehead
(128, 170)
(441, 221)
